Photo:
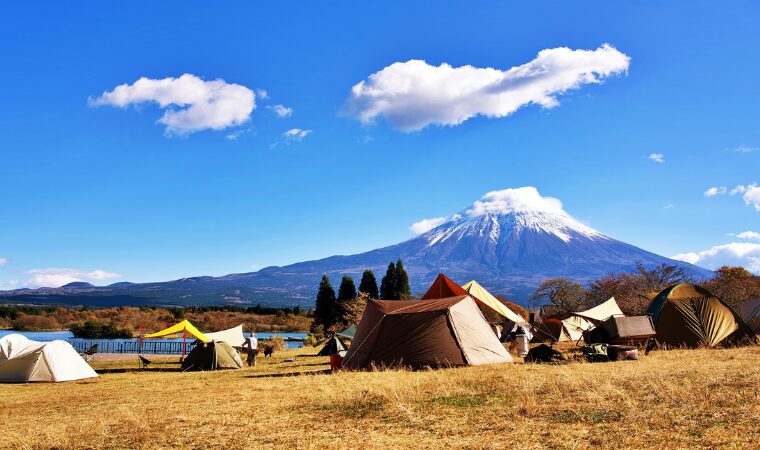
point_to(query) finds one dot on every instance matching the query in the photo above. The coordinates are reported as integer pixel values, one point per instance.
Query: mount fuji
(509, 241)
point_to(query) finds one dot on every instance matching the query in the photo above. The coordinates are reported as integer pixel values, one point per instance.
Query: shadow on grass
(290, 374)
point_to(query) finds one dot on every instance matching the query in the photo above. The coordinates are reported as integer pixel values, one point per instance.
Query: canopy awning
(233, 336)
(482, 296)
(184, 328)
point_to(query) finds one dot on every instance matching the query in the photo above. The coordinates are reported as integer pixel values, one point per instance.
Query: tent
(434, 333)
(444, 287)
(689, 315)
(184, 329)
(750, 312)
(233, 336)
(215, 355)
(23, 360)
(349, 332)
(334, 346)
(578, 322)
(483, 297)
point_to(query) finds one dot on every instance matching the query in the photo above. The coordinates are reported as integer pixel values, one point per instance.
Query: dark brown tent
(443, 287)
(433, 333)
(691, 316)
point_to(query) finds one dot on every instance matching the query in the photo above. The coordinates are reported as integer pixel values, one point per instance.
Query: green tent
(691, 316)
(334, 346)
(349, 332)
(214, 355)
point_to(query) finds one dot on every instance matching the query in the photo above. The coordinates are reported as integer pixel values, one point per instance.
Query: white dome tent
(23, 360)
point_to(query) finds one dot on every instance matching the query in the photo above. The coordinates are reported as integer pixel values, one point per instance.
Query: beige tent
(481, 295)
(233, 336)
(750, 312)
(433, 333)
(574, 326)
(23, 360)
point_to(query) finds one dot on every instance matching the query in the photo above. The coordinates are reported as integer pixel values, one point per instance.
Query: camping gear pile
(23, 360)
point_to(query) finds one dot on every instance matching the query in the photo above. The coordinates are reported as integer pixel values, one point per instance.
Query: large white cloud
(191, 104)
(745, 254)
(517, 199)
(414, 94)
(58, 277)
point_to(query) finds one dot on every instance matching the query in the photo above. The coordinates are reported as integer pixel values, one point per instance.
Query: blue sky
(92, 184)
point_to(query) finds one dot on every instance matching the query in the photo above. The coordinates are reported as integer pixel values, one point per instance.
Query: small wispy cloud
(657, 157)
(262, 94)
(55, 277)
(668, 206)
(426, 225)
(715, 190)
(3, 261)
(743, 149)
(281, 111)
(749, 235)
(295, 135)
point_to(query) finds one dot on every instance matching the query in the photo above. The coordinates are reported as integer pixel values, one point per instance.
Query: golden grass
(673, 399)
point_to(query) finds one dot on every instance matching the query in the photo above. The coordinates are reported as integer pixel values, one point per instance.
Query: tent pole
(184, 345)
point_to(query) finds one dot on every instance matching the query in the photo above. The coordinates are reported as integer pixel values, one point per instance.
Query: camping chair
(89, 354)
(144, 362)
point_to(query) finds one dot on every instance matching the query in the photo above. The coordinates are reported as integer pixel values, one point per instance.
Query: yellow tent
(184, 329)
(482, 296)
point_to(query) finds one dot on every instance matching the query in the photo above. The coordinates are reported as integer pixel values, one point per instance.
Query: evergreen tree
(388, 284)
(324, 314)
(347, 289)
(368, 285)
(403, 291)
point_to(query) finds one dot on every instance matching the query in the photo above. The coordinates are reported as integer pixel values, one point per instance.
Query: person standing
(252, 347)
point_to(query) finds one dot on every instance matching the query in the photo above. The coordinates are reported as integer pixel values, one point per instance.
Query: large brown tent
(692, 316)
(434, 333)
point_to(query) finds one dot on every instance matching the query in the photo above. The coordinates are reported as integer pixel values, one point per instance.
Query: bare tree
(564, 294)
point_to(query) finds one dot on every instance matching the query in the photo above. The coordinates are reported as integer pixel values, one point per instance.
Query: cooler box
(620, 330)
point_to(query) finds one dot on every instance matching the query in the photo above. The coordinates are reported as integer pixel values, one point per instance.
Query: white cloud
(281, 110)
(738, 190)
(743, 254)
(657, 157)
(3, 261)
(713, 191)
(752, 196)
(749, 235)
(414, 94)
(190, 103)
(744, 149)
(295, 135)
(517, 199)
(58, 277)
(425, 225)
(668, 206)
(262, 94)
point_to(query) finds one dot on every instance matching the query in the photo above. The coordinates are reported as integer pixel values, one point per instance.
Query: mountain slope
(509, 252)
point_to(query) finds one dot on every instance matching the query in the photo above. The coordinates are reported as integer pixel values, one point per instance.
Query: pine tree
(388, 284)
(324, 314)
(368, 285)
(347, 289)
(403, 291)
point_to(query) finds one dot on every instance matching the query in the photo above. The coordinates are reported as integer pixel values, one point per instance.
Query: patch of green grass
(586, 415)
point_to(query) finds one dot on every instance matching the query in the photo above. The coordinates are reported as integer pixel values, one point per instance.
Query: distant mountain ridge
(509, 252)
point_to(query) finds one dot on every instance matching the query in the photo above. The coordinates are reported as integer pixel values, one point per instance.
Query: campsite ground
(671, 399)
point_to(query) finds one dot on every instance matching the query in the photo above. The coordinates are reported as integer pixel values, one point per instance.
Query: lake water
(46, 336)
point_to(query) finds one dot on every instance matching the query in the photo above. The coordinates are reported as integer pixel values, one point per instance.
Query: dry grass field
(668, 399)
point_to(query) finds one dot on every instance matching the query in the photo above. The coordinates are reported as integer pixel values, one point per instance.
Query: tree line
(333, 311)
(634, 291)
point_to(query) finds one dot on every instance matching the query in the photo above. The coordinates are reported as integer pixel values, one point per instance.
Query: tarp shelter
(215, 355)
(692, 316)
(184, 329)
(578, 322)
(483, 297)
(334, 346)
(233, 336)
(434, 333)
(23, 360)
(750, 312)
(349, 332)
